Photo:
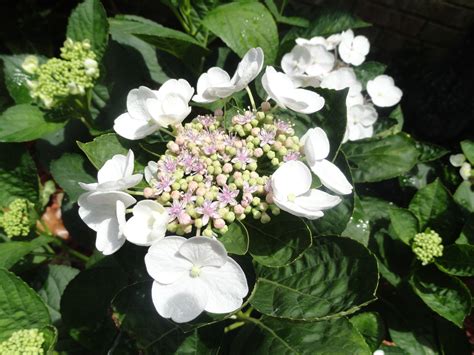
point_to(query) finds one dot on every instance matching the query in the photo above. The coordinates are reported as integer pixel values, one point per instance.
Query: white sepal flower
(383, 92)
(148, 224)
(194, 275)
(216, 83)
(353, 49)
(281, 88)
(360, 121)
(340, 79)
(465, 171)
(457, 160)
(292, 192)
(104, 212)
(316, 149)
(115, 175)
(148, 110)
(150, 171)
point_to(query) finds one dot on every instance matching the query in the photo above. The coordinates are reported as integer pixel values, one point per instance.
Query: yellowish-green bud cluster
(15, 221)
(427, 246)
(59, 78)
(23, 342)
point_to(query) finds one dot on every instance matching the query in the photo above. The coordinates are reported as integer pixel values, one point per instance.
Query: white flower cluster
(196, 274)
(315, 63)
(459, 161)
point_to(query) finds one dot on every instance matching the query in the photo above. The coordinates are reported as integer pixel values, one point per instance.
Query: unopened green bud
(427, 246)
(265, 218)
(198, 223)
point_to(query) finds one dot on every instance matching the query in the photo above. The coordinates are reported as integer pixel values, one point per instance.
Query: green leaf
(279, 242)
(20, 306)
(404, 223)
(291, 20)
(245, 25)
(236, 239)
(22, 123)
(434, 207)
(379, 159)
(457, 260)
(430, 152)
(358, 227)
(13, 252)
(467, 147)
(444, 294)
(464, 196)
(50, 334)
(18, 177)
(368, 71)
(336, 277)
(67, 171)
(371, 326)
(52, 281)
(103, 148)
(467, 232)
(273, 336)
(387, 126)
(89, 21)
(452, 340)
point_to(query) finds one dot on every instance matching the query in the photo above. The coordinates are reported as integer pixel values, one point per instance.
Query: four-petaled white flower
(340, 79)
(104, 212)
(281, 88)
(194, 275)
(292, 192)
(383, 92)
(360, 121)
(316, 150)
(217, 84)
(148, 224)
(148, 110)
(115, 175)
(353, 49)
(459, 161)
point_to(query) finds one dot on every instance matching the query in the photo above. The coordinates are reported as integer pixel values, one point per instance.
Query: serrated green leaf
(358, 227)
(430, 152)
(103, 148)
(68, 171)
(379, 159)
(467, 147)
(387, 126)
(255, 27)
(13, 252)
(368, 71)
(20, 306)
(370, 325)
(89, 21)
(457, 260)
(337, 276)
(444, 294)
(279, 242)
(18, 177)
(404, 224)
(22, 123)
(467, 233)
(236, 239)
(464, 196)
(434, 207)
(287, 20)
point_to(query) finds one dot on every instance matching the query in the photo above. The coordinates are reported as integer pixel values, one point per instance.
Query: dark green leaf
(292, 20)
(68, 171)
(20, 306)
(18, 178)
(379, 159)
(464, 196)
(358, 227)
(22, 123)
(457, 260)
(236, 239)
(16, 78)
(404, 224)
(467, 147)
(50, 334)
(13, 252)
(387, 126)
(337, 276)
(452, 339)
(279, 242)
(368, 71)
(434, 207)
(467, 232)
(89, 21)
(103, 148)
(255, 27)
(430, 152)
(444, 294)
(371, 326)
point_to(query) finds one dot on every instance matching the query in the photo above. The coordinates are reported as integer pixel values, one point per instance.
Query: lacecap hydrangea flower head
(217, 170)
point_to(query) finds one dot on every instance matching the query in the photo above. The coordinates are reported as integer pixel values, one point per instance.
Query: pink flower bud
(258, 152)
(221, 179)
(201, 191)
(277, 145)
(254, 175)
(255, 131)
(175, 195)
(269, 198)
(244, 203)
(193, 185)
(219, 223)
(173, 147)
(237, 175)
(184, 218)
(148, 192)
(239, 209)
(227, 168)
(180, 140)
(238, 144)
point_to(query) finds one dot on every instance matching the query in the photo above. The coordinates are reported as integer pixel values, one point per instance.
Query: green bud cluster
(23, 342)
(427, 246)
(16, 221)
(60, 78)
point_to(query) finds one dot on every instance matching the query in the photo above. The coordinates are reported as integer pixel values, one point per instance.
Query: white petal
(457, 160)
(204, 251)
(113, 169)
(297, 210)
(150, 171)
(133, 129)
(136, 103)
(291, 179)
(227, 287)
(383, 92)
(89, 187)
(296, 61)
(148, 224)
(305, 101)
(317, 200)
(248, 69)
(109, 239)
(331, 177)
(361, 45)
(339, 79)
(163, 261)
(137, 231)
(316, 145)
(465, 171)
(182, 301)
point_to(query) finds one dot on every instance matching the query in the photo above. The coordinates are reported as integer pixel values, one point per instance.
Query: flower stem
(252, 101)
(198, 232)
(136, 193)
(233, 326)
(164, 130)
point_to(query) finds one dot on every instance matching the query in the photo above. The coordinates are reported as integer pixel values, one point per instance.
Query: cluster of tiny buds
(211, 176)
(58, 78)
(427, 246)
